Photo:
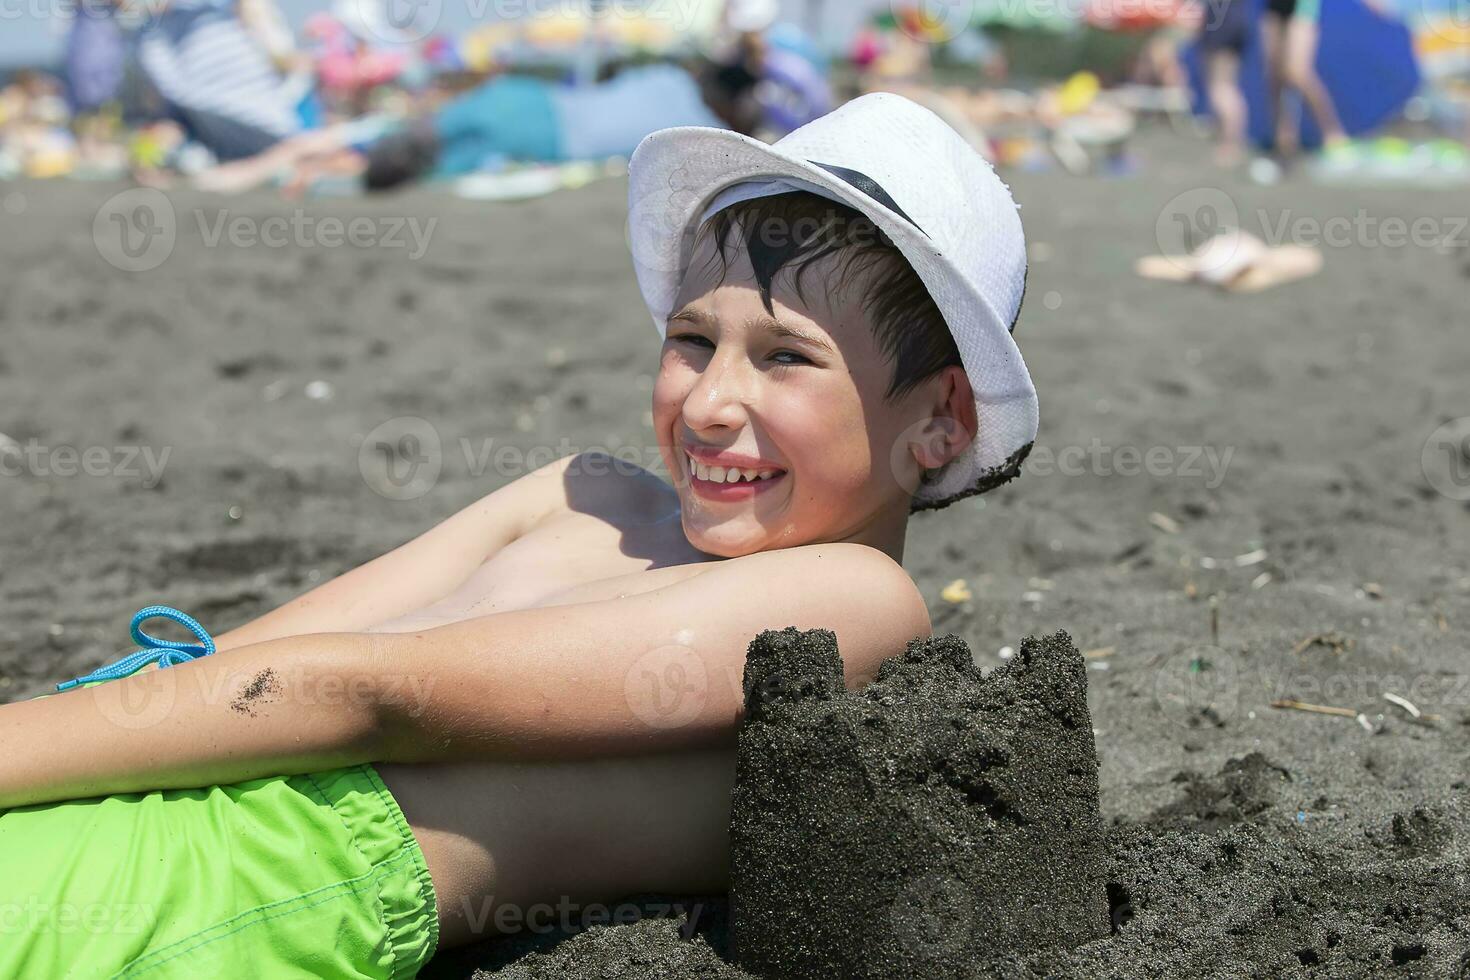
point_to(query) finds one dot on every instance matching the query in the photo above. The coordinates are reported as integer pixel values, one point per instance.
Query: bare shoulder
(853, 573)
(590, 482)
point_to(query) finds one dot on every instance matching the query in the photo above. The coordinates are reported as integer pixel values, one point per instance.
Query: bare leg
(1301, 74)
(507, 844)
(1228, 105)
(1273, 50)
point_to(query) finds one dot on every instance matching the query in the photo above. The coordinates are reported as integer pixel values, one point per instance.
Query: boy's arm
(653, 672)
(415, 574)
(650, 672)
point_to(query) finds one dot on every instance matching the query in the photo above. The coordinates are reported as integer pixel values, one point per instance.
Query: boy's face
(807, 408)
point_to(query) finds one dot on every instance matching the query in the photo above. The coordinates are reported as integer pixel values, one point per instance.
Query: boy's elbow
(389, 698)
(895, 610)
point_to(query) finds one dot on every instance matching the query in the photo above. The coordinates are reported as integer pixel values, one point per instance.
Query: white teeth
(721, 474)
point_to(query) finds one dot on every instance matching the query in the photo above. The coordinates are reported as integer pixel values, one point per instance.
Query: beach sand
(920, 826)
(1282, 542)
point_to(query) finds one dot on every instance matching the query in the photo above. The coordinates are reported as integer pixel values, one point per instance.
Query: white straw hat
(924, 186)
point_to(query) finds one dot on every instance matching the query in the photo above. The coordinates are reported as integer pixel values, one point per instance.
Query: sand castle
(918, 825)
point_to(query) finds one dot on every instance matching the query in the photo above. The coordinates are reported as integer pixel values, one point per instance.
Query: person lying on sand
(1234, 261)
(534, 704)
(515, 117)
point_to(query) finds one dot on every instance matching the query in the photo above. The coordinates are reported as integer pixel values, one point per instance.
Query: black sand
(919, 825)
(1355, 866)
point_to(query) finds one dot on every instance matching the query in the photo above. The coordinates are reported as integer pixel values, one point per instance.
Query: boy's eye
(694, 338)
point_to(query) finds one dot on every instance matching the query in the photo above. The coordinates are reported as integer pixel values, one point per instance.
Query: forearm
(558, 683)
(276, 708)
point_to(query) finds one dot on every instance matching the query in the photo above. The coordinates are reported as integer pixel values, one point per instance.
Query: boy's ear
(952, 424)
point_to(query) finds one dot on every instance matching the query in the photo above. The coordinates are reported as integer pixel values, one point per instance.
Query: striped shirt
(201, 59)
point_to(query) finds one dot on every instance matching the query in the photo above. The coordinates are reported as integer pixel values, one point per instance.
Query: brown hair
(799, 228)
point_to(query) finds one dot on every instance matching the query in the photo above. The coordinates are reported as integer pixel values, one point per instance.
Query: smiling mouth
(731, 475)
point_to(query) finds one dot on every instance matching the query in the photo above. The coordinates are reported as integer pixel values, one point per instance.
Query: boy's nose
(721, 395)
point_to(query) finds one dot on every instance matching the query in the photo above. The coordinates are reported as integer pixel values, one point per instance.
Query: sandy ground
(1288, 433)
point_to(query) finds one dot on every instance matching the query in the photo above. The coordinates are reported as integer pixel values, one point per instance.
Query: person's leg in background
(1273, 30)
(1228, 105)
(1224, 36)
(1299, 64)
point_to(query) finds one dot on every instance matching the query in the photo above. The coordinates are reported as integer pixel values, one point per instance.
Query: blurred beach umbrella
(96, 59)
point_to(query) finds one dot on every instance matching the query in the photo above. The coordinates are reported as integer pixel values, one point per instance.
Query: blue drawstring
(165, 652)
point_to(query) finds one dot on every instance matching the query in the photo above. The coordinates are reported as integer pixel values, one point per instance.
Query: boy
(543, 690)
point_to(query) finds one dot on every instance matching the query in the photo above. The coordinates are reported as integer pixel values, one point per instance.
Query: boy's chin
(730, 541)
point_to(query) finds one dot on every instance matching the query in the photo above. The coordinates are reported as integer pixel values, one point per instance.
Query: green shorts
(302, 876)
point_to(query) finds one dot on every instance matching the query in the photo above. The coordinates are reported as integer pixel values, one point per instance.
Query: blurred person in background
(216, 78)
(763, 77)
(736, 59)
(510, 118)
(94, 64)
(1225, 33)
(1290, 34)
(528, 119)
(265, 23)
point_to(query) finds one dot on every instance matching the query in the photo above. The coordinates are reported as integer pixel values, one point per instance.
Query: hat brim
(675, 173)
